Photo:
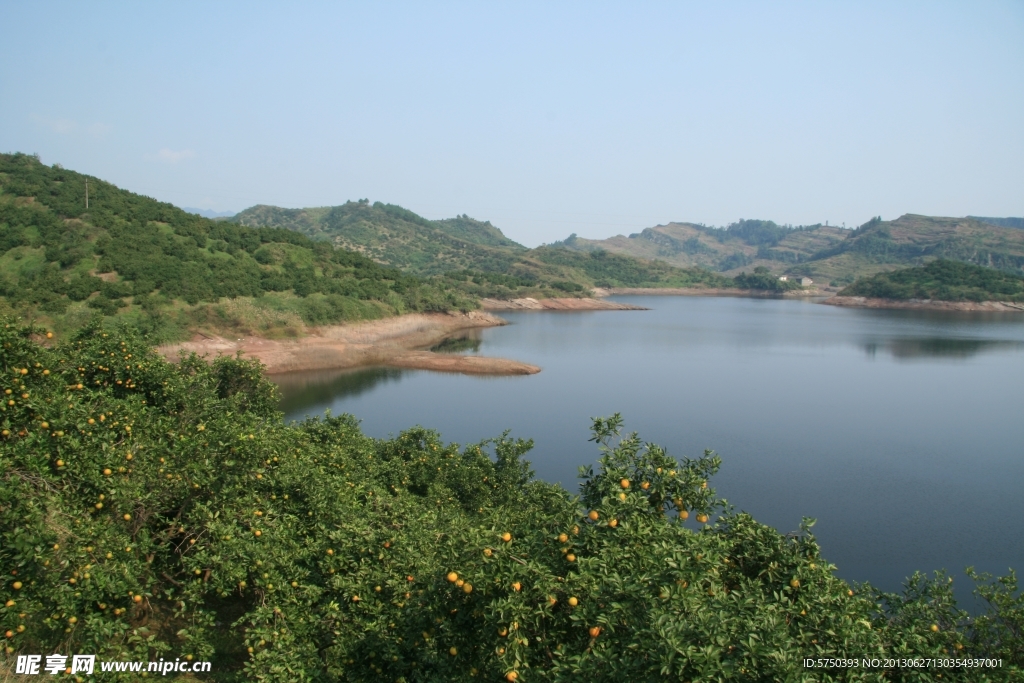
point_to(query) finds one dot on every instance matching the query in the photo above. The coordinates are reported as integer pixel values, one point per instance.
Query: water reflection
(302, 390)
(938, 347)
(468, 341)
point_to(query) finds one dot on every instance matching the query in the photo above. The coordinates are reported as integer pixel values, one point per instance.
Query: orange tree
(154, 510)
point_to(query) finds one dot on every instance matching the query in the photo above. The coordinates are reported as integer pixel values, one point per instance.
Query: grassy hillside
(941, 280)
(168, 271)
(827, 254)
(150, 510)
(473, 255)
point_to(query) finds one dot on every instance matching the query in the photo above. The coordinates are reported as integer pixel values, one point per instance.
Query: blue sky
(544, 118)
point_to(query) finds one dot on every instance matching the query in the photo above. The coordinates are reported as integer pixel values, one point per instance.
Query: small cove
(899, 431)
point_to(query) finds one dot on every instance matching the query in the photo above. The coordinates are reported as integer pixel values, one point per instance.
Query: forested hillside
(166, 270)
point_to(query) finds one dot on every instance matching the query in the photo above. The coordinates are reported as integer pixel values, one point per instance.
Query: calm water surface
(901, 432)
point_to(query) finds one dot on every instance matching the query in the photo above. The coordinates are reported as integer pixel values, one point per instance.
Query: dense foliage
(941, 280)
(759, 233)
(763, 280)
(131, 254)
(152, 510)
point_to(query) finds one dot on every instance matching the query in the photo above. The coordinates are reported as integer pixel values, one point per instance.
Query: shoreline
(925, 304)
(556, 304)
(395, 342)
(708, 291)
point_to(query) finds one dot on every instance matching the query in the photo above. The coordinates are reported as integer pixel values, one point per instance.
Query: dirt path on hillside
(397, 342)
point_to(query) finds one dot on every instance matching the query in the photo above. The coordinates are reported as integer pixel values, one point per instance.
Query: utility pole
(86, 194)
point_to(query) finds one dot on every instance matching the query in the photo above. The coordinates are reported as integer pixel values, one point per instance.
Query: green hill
(168, 271)
(941, 280)
(474, 255)
(395, 236)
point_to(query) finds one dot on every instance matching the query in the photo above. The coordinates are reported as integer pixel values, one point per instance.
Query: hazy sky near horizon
(544, 118)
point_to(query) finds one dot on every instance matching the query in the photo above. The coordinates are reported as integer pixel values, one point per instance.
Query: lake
(901, 432)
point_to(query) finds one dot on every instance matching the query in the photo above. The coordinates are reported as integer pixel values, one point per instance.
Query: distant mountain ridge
(1001, 222)
(823, 252)
(208, 213)
(743, 245)
(834, 256)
